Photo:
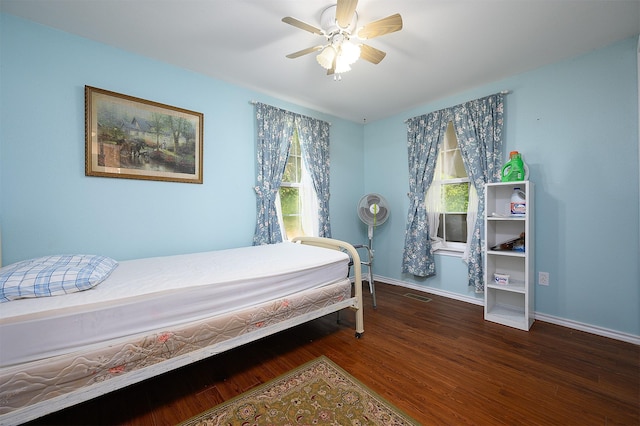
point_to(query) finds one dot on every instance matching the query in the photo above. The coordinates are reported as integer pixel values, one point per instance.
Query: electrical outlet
(543, 278)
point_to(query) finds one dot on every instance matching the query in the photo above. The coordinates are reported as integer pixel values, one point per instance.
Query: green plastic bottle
(513, 170)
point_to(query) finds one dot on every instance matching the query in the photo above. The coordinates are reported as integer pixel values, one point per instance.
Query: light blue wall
(576, 123)
(49, 206)
(560, 117)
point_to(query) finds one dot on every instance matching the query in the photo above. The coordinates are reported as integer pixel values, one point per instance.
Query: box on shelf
(501, 279)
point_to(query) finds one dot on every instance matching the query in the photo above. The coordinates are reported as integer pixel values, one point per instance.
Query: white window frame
(308, 199)
(433, 200)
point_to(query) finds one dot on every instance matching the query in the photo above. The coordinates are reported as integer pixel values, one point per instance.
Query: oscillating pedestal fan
(373, 211)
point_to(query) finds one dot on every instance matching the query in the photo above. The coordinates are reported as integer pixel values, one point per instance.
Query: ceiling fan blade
(371, 54)
(304, 52)
(302, 25)
(344, 12)
(387, 25)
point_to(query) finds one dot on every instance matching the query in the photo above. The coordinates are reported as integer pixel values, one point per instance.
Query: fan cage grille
(369, 215)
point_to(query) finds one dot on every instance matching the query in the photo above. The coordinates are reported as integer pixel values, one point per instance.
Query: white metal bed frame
(57, 403)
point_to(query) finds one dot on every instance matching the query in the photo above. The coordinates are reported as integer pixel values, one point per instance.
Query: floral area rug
(316, 393)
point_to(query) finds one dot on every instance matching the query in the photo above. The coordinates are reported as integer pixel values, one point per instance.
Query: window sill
(449, 252)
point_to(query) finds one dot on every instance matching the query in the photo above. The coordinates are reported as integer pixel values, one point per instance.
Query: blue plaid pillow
(53, 275)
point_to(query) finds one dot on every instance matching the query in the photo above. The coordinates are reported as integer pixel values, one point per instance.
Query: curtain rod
(253, 102)
(502, 92)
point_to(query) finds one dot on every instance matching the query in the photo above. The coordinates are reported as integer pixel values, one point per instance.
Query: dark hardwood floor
(438, 361)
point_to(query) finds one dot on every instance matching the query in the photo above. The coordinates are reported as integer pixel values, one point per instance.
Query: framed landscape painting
(133, 138)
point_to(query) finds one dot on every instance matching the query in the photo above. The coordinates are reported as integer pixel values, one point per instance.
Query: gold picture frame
(133, 138)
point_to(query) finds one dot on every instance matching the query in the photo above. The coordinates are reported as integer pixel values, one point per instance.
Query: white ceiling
(445, 47)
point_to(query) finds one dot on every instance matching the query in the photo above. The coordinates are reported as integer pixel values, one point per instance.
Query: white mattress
(162, 292)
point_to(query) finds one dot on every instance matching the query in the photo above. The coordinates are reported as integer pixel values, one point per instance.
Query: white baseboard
(593, 329)
(600, 331)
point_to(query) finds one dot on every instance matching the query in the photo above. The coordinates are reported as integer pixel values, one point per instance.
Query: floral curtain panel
(424, 134)
(314, 142)
(275, 128)
(479, 125)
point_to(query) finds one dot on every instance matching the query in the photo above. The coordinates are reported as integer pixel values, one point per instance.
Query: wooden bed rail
(355, 257)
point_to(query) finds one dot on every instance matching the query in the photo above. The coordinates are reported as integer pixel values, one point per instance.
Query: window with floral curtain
(276, 129)
(478, 125)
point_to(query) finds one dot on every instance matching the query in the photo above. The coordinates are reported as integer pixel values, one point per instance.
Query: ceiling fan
(343, 46)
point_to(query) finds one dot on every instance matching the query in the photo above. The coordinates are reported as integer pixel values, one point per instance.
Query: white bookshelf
(511, 304)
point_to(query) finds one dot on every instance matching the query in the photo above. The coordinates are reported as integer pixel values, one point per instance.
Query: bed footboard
(355, 257)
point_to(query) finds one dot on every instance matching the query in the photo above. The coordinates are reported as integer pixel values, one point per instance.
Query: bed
(153, 315)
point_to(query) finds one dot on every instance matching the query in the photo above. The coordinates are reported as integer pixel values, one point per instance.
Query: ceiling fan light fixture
(349, 52)
(341, 65)
(326, 57)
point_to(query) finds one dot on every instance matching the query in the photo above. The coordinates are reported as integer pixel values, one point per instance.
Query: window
(448, 197)
(298, 205)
